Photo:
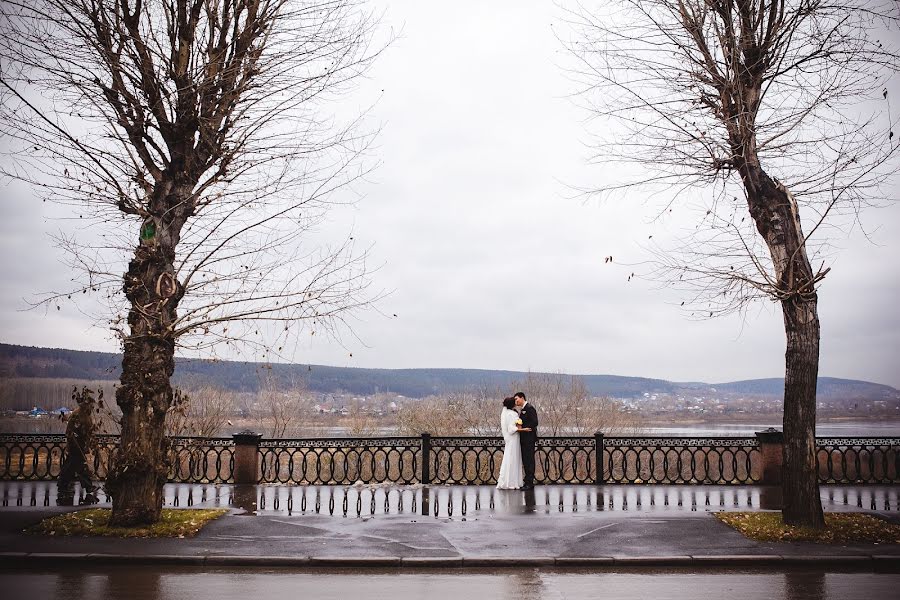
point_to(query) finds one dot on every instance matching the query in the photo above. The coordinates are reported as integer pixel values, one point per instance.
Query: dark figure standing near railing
(527, 438)
(80, 440)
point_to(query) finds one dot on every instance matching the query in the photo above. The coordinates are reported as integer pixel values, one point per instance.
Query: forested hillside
(51, 363)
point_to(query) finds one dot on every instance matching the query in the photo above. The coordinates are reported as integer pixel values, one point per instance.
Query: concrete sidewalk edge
(868, 563)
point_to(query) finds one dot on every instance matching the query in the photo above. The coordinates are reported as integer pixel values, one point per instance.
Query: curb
(343, 561)
(508, 561)
(866, 563)
(885, 563)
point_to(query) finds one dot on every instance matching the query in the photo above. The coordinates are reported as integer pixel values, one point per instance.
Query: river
(854, 428)
(842, 429)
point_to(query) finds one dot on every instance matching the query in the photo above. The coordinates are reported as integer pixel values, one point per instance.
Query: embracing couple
(519, 423)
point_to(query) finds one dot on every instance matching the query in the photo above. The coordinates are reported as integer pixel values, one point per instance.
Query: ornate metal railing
(476, 460)
(468, 460)
(858, 460)
(201, 460)
(681, 460)
(32, 457)
(40, 457)
(464, 460)
(341, 461)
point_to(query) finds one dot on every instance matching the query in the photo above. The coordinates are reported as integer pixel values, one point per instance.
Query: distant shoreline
(767, 420)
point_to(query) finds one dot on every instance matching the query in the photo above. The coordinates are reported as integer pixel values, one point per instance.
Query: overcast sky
(490, 262)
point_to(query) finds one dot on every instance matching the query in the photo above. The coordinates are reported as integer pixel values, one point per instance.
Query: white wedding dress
(510, 477)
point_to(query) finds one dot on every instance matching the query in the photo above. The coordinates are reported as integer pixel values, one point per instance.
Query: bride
(510, 477)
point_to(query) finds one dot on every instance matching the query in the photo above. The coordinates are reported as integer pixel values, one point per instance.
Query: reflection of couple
(519, 423)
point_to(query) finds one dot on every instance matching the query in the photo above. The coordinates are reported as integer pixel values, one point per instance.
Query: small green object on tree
(148, 231)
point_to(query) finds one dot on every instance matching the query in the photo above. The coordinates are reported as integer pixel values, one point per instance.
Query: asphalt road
(148, 583)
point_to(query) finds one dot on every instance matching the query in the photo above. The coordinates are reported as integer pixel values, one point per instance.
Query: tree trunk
(775, 213)
(802, 504)
(141, 463)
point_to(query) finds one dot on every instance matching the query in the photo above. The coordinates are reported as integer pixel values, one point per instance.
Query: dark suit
(527, 440)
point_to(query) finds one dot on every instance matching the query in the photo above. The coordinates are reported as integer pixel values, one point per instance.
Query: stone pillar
(244, 497)
(246, 457)
(771, 447)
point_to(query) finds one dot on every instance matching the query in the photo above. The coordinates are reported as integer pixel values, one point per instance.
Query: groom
(527, 439)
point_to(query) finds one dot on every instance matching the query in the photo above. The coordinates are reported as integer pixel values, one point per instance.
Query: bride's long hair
(509, 403)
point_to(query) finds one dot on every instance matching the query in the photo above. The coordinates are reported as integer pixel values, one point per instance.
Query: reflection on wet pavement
(455, 501)
(520, 584)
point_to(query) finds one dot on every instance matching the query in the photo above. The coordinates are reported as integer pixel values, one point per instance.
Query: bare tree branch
(779, 108)
(199, 140)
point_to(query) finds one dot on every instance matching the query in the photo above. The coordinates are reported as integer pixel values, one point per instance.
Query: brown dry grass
(840, 528)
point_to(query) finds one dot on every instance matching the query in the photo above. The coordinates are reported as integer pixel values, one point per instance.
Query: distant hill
(827, 387)
(25, 361)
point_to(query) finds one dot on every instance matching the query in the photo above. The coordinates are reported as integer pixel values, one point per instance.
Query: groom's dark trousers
(527, 440)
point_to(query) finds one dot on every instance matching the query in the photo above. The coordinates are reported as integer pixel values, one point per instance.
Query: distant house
(62, 410)
(37, 412)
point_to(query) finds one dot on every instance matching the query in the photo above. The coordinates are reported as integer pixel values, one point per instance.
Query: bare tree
(202, 412)
(556, 396)
(566, 406)
(192, 134)
(563, 401)
(461, 412)
(360, 422)
(433, 415)
(605, 415)
(477, 410)
(281, 408)
(773, 101)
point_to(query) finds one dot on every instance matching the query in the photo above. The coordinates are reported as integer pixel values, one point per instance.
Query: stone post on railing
(246, 457)
(598, 457)
(426, 458)
(771, 448)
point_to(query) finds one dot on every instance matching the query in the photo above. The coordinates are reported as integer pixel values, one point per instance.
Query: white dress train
(510, 477)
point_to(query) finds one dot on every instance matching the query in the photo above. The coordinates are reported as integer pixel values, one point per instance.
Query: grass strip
(840, 528)
(174, 522)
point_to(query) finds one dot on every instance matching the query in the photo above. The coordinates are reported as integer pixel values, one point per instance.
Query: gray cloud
(491, 264)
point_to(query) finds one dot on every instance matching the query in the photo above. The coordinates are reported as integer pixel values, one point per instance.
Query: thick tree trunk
(141, 464)
(775, 212)
(802, 504)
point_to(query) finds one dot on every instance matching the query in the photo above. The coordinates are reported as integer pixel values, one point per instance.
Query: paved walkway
(363, 501)
(505, 529)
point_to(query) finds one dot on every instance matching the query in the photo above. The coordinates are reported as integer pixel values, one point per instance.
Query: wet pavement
(460, 501)
(147, 583)
(552, 526)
